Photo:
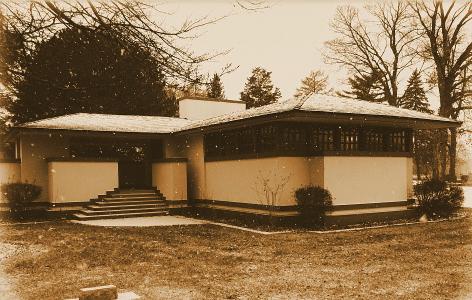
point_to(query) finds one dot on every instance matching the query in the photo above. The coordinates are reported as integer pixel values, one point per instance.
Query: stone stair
(125, 203)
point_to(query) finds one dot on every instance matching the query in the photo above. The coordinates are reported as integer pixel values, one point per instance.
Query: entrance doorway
(133, 174)
(134, 158)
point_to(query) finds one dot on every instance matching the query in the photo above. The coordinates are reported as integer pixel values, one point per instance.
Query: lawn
(425, 261)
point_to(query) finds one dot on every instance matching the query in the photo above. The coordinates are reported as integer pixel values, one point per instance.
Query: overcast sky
(286, 38)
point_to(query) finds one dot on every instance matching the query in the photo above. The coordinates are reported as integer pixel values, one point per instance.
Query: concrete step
(122, 211)
(113, 195)
(129, 206)
(83, 217)
(122, 203)
(109, 199)
(133, 191)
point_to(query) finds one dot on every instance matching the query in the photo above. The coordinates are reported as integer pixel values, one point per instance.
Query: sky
(287, 38)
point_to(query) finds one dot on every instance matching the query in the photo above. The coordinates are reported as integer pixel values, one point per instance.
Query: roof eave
(88, 133)
(327, 118)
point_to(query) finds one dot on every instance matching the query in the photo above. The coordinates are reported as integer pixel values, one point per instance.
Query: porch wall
(78, 181)
(171, 179)
(196, 174)
(358, 180)
(10, 171)
(34, 152)
(243, 180)
(351, 180)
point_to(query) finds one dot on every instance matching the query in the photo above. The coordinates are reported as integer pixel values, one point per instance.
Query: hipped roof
(330, 105)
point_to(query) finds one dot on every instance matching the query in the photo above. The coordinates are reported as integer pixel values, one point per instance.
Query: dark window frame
(304, 139)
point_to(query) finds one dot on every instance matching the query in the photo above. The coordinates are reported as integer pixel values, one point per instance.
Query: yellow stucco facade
(351, 180)
(171, 179)
(78, 181)
(263, 181)
(9, 172)
(35, 150)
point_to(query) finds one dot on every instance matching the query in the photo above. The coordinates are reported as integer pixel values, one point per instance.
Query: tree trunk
(453, 155)
(435, 149)
(418, 169)
(443, 153)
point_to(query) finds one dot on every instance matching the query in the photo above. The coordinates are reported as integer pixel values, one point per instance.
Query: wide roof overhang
(18, 131)
(327, 118)
(317, 109)
(321, 118)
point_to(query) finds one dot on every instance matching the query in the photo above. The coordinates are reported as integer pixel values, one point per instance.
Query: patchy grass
(425, 261)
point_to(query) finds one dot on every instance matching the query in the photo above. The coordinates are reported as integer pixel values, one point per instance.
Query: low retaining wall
(10, 171)
(350, 179)
(80, 181)
(170, 177)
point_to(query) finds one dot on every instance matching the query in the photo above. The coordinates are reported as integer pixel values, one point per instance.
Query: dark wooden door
(133, 174)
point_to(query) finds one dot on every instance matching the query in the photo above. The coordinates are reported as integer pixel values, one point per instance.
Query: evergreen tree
(315, 83)
(259, 89)
(415, 97)
(90, 71)
(215, 88)
(366, 87)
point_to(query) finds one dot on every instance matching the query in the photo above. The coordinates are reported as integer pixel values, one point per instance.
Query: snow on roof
(322, 103)
(112, 123)
(154, 124)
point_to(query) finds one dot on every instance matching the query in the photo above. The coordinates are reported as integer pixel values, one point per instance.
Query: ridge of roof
(315, 103)
(321, 103)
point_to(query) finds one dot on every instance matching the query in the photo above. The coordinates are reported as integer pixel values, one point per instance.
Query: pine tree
(215, 88)
(366, 87)
(315, 83)
(259, 89)
(415, 97)
(95, 72)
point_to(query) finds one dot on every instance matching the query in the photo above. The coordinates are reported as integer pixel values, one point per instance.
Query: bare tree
(448, 45)
(269, 186)
(316, 82)
(380, 43)
(25, 24)
(252, 5)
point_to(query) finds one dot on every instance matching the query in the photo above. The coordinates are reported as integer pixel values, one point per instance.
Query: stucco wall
(355, 180)
(171, 179)
(196, 168)
(81, 181)
(9, 172)
(351, 180)
(194, 109)
(243, 180)
(34, 152)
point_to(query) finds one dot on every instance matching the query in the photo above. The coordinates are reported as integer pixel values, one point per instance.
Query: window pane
(374, 140)
(349, 139)
(322, 139)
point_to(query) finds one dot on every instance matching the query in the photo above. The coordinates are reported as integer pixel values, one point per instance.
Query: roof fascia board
(327, 118)
(90, 133)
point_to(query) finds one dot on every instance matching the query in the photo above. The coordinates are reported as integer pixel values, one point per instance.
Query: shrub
(436, 198)
(464, 178)
(20, 195)
(313, 203)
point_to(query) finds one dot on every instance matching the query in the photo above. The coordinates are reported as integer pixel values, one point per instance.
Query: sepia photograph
(235, 149)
